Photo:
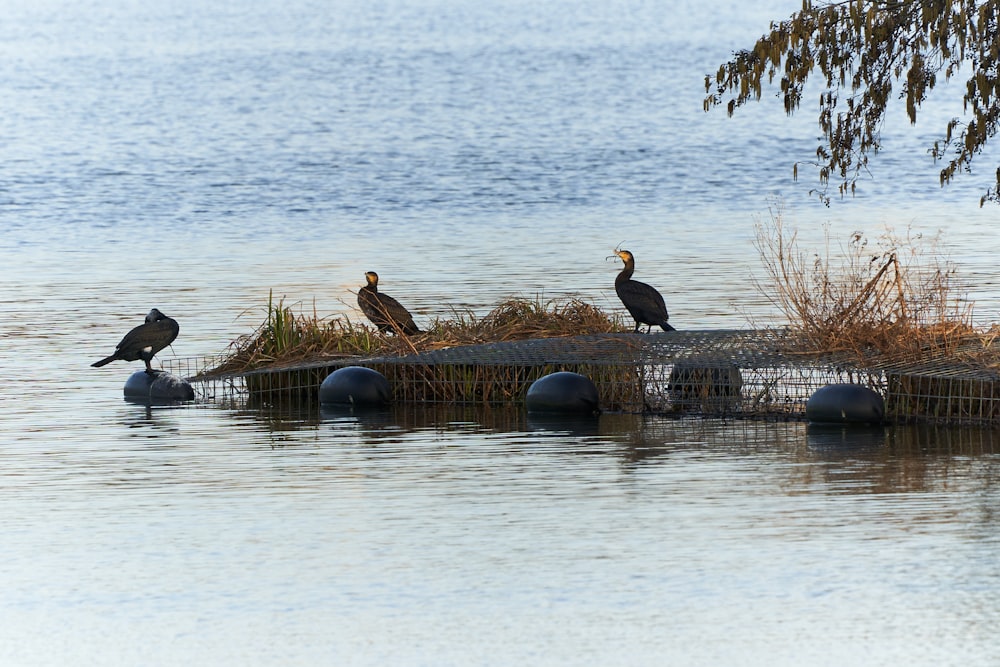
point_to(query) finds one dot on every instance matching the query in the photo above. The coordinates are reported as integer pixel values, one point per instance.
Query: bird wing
(649, 292)
(155, 335)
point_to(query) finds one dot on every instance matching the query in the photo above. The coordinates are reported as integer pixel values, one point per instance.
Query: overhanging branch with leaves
(867, 52)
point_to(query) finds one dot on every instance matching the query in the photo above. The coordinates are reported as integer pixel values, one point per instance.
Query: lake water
(194, 157)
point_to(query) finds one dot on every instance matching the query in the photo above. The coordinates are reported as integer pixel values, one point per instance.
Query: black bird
(144, 341)
(643, 302)
(384, 311)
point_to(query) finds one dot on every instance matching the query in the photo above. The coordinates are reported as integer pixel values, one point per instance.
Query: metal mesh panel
(716, 373)
(947, 398)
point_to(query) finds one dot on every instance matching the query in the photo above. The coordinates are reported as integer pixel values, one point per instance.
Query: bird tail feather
(102, 362)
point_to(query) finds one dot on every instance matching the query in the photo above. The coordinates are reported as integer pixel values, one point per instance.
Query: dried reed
(891, 298)
(286, 337)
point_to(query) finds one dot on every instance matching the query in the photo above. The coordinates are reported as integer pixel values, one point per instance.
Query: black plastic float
(562, 392)
(845, 404)
(355, 385)
(160, 387)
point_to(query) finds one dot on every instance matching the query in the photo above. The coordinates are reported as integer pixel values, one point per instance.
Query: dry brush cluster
(286, 337)
(892, 298)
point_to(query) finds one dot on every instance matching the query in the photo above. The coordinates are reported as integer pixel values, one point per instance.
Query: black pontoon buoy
(355, 385)
(158, 387)
(562, 392)
(845, 404)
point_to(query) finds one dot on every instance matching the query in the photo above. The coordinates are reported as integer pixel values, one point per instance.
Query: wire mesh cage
(712, 373)
(952, 398)
(744, 373)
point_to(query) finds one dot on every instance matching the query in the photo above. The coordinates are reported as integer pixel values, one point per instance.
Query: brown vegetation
(889, 299)
(285, 337)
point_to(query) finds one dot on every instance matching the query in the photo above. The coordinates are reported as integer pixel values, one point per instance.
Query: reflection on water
(150, 421)
(394, 535)
(842, 441)
(849, 459)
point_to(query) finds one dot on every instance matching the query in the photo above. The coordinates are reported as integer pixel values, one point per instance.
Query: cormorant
(384, 311)
(144, 341)
(643, 302)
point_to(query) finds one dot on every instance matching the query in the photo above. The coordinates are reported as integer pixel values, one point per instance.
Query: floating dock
(728, 373)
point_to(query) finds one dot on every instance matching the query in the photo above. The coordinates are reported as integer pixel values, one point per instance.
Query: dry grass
(895, 297)
(286, 337)
(521, 319)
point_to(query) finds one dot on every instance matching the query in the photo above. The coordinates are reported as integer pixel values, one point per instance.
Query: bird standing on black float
(384, 311)
(144, 341)
(642, 301)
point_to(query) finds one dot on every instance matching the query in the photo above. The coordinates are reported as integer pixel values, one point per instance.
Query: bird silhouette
(144, 341)
(642, 301)
(384, 312)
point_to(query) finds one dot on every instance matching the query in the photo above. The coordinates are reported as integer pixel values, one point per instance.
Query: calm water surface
(194, 157)
(226, 536)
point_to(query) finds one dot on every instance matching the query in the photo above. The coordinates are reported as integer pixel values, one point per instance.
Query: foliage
(893, 297)
(862, 48)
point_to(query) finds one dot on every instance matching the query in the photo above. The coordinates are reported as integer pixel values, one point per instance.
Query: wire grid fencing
(744, 373)
(711, 373)
(950, 396)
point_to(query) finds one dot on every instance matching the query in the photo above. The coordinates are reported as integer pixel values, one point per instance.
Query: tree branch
(863, 47)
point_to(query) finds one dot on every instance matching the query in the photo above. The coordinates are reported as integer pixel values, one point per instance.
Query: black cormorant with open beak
(642, 301)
